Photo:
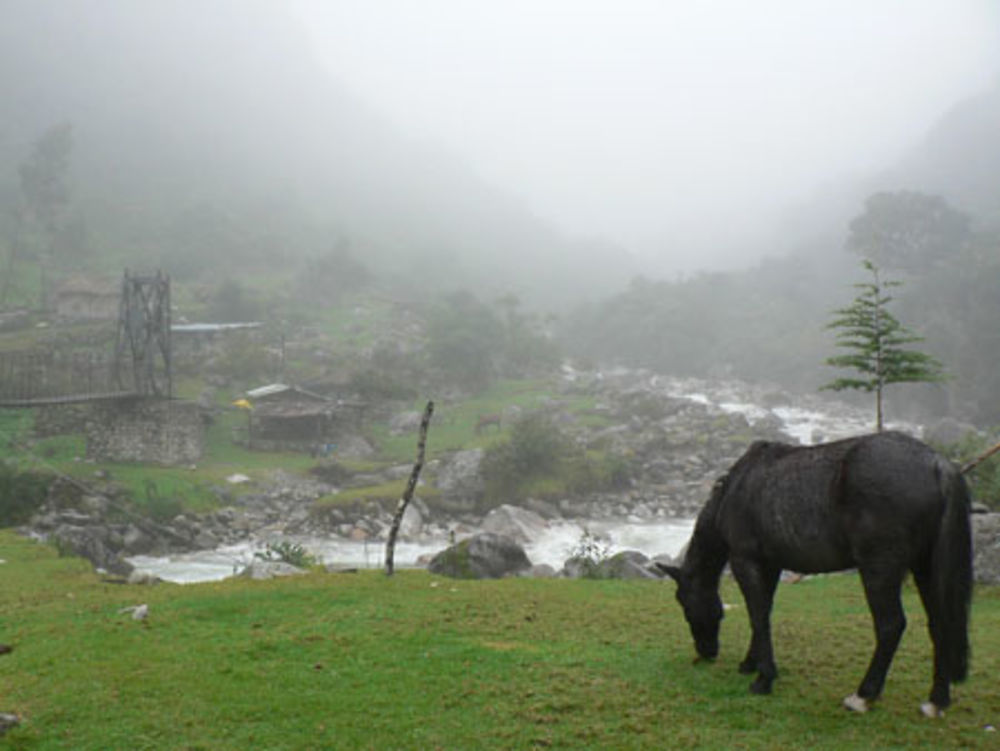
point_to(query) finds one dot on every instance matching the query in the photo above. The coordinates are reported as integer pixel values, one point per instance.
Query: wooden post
(979, 459)
(397, 519)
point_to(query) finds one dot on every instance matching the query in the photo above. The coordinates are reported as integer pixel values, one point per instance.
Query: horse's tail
(951, 577)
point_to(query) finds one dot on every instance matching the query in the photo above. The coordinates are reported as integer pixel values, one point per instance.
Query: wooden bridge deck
(45, 401)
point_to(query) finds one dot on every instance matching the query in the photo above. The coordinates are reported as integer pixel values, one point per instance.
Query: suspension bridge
(135, 362)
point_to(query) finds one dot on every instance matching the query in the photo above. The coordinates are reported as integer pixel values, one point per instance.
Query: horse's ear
(672, 571)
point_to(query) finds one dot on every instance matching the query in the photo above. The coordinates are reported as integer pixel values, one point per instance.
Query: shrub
(288, 552)
(539, 460)
(587, 556)
(20, 494)
(161, 508)
(535, 449)
(332, 472)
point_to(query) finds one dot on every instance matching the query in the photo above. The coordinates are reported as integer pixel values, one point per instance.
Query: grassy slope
(417, 662)
(452, 428)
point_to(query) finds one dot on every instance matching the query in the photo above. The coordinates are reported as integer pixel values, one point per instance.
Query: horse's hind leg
(757, 582)
(941, 689)
(882, 590)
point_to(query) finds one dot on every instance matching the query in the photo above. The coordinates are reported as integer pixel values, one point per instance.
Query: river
(826, 419)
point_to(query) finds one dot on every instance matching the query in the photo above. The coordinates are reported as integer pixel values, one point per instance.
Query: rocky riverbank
(677, 438)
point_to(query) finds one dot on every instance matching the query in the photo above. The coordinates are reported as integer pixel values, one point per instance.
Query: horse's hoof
(761, 688)
(932, 710)
(856, 704)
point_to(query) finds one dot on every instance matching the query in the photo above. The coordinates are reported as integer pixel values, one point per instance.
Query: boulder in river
(482, 556)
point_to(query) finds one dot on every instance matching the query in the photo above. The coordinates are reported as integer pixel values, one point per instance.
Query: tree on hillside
(44, 196)
(327, 278)
(876, 341)
(908, 231)
(464, 341)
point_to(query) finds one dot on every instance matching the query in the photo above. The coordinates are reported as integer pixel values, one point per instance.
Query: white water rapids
(553, 546)
(830, 420)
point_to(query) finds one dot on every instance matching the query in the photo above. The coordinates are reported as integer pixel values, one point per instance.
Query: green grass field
(361, 661)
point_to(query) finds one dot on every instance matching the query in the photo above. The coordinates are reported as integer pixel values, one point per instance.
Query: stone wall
(61, 419)
(146, 430)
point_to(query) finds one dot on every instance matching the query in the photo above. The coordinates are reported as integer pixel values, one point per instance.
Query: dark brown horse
(885, 504)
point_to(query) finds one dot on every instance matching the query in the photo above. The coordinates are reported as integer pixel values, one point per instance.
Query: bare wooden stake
(979, 459)
(397, 519)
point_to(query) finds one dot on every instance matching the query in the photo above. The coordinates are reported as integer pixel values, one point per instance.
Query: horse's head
(702, 610)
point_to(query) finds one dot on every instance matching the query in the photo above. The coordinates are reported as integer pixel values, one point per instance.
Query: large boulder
(459, 475)
(412, 523)
(92, 542)
(515, 522)
(628, 564)
(482, 556)
(986, 543)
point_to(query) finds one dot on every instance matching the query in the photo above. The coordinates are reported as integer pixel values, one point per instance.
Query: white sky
(676, 128)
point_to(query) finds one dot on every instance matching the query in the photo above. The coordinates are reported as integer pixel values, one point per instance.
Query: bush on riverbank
(539, 460)
(21, 493)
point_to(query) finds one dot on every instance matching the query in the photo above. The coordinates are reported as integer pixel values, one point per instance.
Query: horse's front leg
(882, 590)
(757, 581)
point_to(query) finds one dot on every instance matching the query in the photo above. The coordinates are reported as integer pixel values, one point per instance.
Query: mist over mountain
(205, 135)
(959, 159)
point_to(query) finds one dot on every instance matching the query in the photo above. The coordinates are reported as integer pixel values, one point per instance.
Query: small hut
(291, 417)
(87, 298)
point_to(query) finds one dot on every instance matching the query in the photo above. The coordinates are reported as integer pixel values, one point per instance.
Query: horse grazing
(484, 421)
(883, 503)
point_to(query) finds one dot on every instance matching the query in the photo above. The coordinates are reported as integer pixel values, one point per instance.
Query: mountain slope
(208, 130)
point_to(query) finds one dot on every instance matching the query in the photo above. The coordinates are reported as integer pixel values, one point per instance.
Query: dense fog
(554, 154)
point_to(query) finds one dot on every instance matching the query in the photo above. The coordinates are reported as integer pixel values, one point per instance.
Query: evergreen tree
(876, 341)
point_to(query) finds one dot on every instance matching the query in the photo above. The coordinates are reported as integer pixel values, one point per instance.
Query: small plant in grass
(591, 547)
(588, 554)
(161, 508)
(289, 552)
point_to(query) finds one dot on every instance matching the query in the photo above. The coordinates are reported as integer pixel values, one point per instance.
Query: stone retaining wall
(146, 430)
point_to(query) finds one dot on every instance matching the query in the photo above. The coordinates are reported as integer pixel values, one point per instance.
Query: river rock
(540, 571)
(137, 542)
(354, 447)
(515, 522)
(91, 543)
(628, 564)
(986, 543)
(404, 422)
(412, 523)
(8, 721)
(579, 567)
(482, 556)
(259, 569)
(459, 475)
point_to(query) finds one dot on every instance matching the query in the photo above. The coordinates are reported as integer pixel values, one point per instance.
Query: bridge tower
(142, 345)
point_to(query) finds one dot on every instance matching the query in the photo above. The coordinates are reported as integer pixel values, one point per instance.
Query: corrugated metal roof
(263, 392)
(180, 328)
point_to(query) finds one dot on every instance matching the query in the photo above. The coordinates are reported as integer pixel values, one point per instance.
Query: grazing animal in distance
(884, 503)
(484, 421)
